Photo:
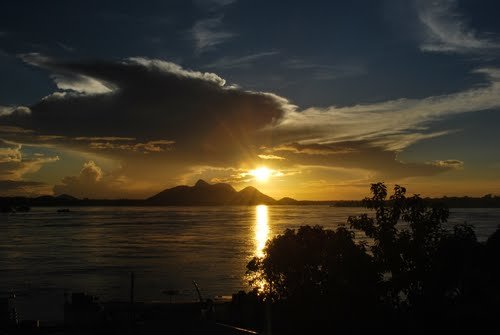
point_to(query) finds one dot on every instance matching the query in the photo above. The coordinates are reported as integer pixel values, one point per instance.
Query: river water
(44, 253)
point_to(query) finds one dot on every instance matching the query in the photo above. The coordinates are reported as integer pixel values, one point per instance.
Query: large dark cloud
(151, 98)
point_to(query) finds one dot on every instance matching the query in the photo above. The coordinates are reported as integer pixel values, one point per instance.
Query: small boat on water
(63, 210)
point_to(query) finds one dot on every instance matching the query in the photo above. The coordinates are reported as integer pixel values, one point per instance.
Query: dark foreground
(84, 315)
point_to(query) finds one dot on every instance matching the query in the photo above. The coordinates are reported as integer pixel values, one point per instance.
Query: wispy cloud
(271, 157)
(145, 148)
(212, 3)
(67, 80)
(80, 84)
(393, 124)
(104, 138)
(446, 30)
(66, 47)
(324, 71)
(449, 163)
(208, 33)
(240, 62)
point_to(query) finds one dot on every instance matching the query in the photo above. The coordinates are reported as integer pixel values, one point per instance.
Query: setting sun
(262, 173)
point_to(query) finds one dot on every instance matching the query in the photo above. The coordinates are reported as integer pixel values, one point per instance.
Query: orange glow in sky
(262, 173)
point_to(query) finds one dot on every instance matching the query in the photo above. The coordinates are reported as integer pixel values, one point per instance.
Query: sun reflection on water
(261, 229)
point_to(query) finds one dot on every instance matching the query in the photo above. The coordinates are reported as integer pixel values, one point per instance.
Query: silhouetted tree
(317, 275)
(310, 262)
(412, 272)
(455, 259)
(406, 234)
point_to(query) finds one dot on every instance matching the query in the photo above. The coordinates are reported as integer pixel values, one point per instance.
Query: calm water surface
(44, 253)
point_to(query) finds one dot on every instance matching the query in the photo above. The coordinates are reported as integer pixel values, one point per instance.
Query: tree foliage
(413, 267)
(405, 233)
(312, 262)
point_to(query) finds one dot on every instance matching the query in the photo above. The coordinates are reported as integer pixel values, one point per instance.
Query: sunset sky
(307, 99)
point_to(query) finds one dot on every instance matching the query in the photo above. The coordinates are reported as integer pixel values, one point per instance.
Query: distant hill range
(205, 194)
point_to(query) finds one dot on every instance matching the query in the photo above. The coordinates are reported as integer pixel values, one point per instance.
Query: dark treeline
(412, 277)
(487, 201)
(11, 203)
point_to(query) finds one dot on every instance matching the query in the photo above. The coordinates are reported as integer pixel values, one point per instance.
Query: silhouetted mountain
(252, 196)
(66, 197)
(287, 201)
(59, 198)
(203, 194)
